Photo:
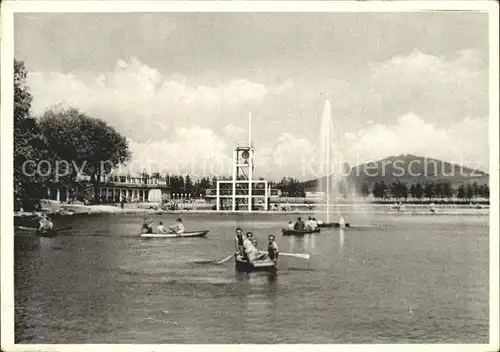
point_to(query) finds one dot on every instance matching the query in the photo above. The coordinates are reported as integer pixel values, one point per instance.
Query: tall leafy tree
(29, 144)
(419, 191)
(84, 141)
(429, 191)
(469, 192)
(461, 192)
(188, 185)
(365, 190)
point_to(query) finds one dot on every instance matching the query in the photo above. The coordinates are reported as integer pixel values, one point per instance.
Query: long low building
(119, 188)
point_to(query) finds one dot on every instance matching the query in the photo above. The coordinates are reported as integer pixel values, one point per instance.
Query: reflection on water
(341, 239)
(310, 241)
(406, 280)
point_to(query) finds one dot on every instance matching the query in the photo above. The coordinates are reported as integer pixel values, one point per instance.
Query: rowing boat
(200, 233)
(43, 233)
(287, 232)
(257, 265)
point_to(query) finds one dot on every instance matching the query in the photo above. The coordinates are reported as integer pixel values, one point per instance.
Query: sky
(180, 86)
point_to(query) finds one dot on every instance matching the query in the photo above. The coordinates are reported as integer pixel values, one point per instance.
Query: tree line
(437, 190)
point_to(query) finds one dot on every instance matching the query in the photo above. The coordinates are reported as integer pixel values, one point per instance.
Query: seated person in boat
(314, 223)
(291, 225)
(238, 241)
(146, 226)
(272, 248)
(251, 253)
(250, 236)
(160, 228)
(255, 244)
(45, 223)
(309, 225)
(179, 227)
(299, 225)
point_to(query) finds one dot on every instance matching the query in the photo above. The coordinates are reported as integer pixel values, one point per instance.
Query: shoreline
(76, 209)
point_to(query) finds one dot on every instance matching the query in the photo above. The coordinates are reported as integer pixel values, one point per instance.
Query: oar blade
(225, 259)
(296, 255)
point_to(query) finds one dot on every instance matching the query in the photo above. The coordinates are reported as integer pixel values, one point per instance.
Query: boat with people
(198, 233)
(243, 265)
(44, 232)
(289, 232)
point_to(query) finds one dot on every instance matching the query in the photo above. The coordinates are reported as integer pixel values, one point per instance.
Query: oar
(173, 231)
(225, 259)
(295, 255)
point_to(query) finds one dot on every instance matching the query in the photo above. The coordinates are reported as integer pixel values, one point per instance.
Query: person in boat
(309, 225)
(291, 225)
(146, 226)
(238, 241)
(45, 223)
(160, 228)
(299, 225)
(272, 248)
(255, 243)
(314, 223)
(250, 236)
(250, 252)
(178, 228)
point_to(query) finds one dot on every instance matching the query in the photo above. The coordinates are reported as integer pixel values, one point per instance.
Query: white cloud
(134, 98)
(463, 143)
(197, 151)
(439, 88)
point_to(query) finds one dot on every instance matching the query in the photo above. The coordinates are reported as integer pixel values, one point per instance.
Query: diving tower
(243, 192)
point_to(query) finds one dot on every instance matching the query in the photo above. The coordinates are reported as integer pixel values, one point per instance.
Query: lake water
(413, 279)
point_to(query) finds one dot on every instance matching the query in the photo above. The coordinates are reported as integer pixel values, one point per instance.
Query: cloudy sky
(180, 86)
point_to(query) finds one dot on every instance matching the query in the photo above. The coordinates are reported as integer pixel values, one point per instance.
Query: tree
(475, 189)
(469, 192)
(379, 189)
(84, 141)
(486, 193)
(419, 191)
(188, 186)
(438, 189)
(429, 191)
(447, 190)
(365, 191)
(461, 192)
(29, 144)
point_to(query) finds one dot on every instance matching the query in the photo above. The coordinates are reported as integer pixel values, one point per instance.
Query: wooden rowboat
(200, 233)
(257, 265)
(287, 232)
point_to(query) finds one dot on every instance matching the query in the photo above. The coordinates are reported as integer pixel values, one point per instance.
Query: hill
(409, 169)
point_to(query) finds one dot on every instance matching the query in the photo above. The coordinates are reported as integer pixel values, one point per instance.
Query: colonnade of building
(117, 194)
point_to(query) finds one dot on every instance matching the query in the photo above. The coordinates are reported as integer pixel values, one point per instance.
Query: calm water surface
(418, 279)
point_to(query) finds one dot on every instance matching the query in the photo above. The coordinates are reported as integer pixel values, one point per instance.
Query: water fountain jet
(329, 168)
